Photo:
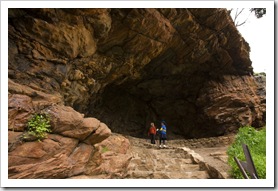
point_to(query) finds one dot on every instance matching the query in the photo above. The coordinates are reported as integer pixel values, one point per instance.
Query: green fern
(38, 126)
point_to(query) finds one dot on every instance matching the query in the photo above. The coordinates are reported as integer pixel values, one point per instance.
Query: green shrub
(38, 126)
(256, 142)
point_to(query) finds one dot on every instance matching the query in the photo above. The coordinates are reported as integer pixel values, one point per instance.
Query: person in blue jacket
(162, 133)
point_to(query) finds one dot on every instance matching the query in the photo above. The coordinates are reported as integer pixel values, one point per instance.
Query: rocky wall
(128, 67)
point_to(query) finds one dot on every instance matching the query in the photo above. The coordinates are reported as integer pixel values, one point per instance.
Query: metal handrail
(247, 165)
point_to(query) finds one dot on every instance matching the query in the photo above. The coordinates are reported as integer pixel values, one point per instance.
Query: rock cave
(130, 67)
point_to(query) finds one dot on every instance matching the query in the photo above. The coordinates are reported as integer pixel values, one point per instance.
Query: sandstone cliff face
(128, 67)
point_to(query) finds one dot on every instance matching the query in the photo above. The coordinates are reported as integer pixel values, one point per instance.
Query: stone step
(165, 153)
(168, 175)
(173, 161)
(172, 154)
(157, 159)
(152, 162)
(183, 168)
(165, 167)
(189, 175)
(161, 163)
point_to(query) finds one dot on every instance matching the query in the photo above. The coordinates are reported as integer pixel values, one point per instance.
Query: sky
(254, 31)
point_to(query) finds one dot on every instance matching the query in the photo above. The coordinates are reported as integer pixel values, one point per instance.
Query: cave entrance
(129, 108)
(166, 90)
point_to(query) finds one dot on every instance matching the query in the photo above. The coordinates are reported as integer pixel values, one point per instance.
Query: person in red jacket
(152, 133)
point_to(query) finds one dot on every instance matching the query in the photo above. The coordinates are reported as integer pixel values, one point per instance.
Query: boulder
(111, 158)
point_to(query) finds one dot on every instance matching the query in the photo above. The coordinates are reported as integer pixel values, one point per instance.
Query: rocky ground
(189, 159)
(204, 158)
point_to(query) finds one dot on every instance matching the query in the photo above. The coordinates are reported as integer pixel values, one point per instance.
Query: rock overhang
(129, 67)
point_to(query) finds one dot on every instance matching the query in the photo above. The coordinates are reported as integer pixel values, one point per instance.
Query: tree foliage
(259, 12)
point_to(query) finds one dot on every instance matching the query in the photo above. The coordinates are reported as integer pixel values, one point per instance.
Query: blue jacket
(163, 130)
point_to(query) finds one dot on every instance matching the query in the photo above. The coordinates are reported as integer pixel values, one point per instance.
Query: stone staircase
(181, 159)
(151, 162)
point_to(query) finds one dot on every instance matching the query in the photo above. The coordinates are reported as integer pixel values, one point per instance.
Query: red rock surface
(98, 71)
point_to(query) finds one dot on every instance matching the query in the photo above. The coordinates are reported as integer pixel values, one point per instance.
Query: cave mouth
(129, 111)
(165, 90)
(129, 107)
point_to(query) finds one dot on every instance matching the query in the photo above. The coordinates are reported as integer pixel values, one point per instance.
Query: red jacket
(152, 130)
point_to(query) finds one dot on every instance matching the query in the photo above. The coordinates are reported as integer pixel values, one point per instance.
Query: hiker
(162, 133)
(152, 133)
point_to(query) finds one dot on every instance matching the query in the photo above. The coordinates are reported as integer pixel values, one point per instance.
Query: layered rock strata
(128, 67)
(124, 68)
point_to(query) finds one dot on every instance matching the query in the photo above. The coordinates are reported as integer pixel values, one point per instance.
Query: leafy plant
(256, 142)
(38, 126)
